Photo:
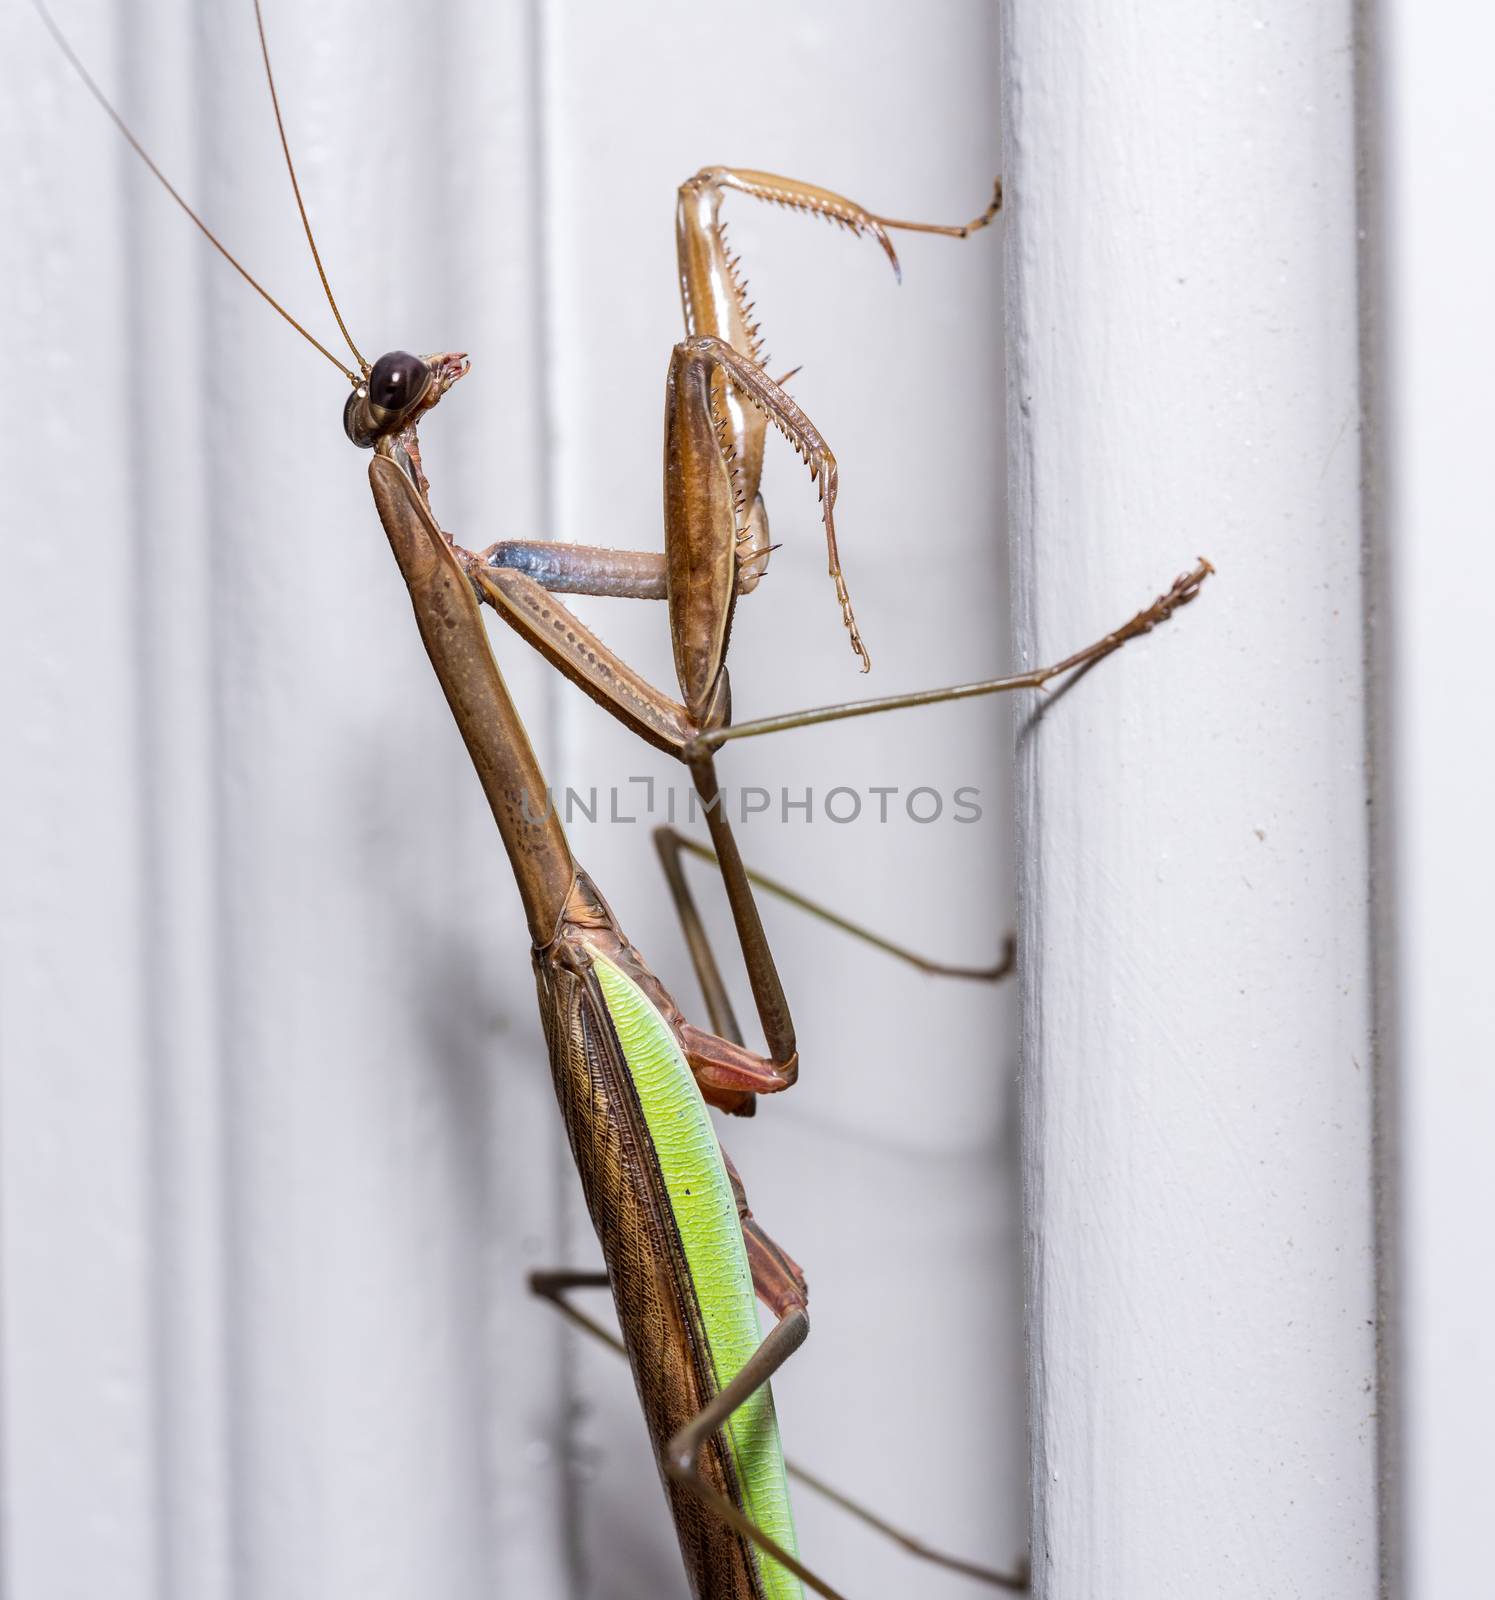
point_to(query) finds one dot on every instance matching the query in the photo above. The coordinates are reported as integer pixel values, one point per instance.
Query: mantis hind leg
(720, 1056)
(785, 1338)
(683, 1451)
(673, 846)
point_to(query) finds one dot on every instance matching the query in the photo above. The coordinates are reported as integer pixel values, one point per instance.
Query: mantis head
(399, 389)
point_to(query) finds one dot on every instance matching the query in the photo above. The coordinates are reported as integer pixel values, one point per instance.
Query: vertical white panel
(279, 1137)
(76, 1339)
(1184, 367)
(888, 1171)
(277, 1140)
(1441, 146)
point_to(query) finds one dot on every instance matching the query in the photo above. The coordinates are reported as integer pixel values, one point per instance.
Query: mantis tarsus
(567, 921)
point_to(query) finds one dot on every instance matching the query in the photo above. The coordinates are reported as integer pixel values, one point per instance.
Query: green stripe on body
(705, 1211)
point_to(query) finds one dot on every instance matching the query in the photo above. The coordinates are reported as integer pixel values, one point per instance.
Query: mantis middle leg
(702, 506)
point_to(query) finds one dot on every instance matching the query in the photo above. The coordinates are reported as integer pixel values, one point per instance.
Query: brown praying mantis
(590, 978)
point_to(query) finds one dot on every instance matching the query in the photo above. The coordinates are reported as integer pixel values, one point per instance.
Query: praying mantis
(406, 517)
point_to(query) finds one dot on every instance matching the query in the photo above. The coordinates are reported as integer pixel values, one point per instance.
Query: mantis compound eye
(396, 384)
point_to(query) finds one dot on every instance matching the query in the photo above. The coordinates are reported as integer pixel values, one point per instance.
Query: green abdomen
(705, 1214)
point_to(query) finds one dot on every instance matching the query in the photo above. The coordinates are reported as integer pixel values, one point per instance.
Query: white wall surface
(277, 1142)
(1440, 150)
(1198, 1059)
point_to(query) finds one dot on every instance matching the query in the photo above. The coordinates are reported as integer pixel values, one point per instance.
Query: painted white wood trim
(277, 1141)
(276, 1152)
(1183, 371)
(1440, 145)
(890, 1170)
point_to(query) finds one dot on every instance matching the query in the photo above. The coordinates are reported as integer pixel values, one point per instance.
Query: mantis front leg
(702, 506)
(719, 404)
(714, 299)
(715, 304)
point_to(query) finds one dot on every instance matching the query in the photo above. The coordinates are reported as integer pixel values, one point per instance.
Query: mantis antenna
(316, 255)
(61, 41)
